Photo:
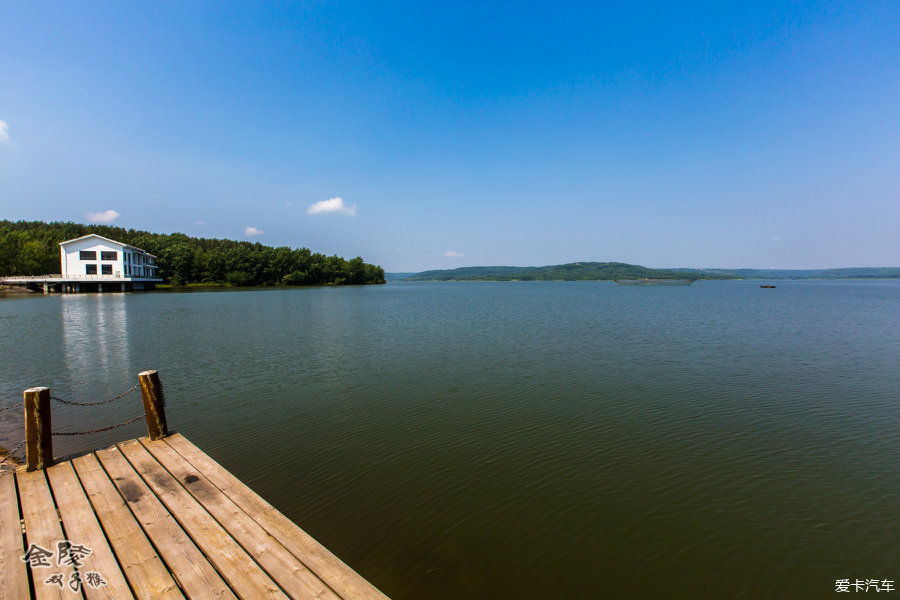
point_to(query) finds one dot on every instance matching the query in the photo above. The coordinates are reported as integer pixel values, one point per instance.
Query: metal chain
(122, 395)
(22, 403)
(137, 418)
(12, 452)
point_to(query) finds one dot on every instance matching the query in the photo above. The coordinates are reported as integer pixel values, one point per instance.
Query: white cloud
(454, 254)
(253, 231)
(107, 216)
(332, 205)
(4, 131)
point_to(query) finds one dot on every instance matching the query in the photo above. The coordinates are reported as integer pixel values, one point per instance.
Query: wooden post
(38, 438)
(154, 404)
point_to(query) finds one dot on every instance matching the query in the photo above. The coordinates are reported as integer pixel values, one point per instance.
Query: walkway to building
(81, 283)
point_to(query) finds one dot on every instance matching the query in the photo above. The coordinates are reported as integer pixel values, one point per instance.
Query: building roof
(100, 237)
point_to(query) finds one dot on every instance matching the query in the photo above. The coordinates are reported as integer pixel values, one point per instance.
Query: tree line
(32, 248)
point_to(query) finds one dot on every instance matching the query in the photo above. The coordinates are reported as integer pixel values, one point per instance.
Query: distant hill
(594, 271)
(579, 271)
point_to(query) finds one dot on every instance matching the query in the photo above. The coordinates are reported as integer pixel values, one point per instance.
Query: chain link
(137, 418)
(22, 403)
(12, 452)
(122, 395)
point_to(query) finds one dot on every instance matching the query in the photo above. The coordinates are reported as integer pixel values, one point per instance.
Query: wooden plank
(282, 566)
(197, 577)
(14, 579)
(330, 569)
(244, 576)
(42, 529)
(82, 528)
(143, 568)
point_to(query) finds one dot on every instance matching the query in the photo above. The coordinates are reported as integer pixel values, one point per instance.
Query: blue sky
(424, 135)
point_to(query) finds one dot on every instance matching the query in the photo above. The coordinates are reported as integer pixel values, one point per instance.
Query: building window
(104, 255)
(90, 269)
(106, 269)
(88, 255)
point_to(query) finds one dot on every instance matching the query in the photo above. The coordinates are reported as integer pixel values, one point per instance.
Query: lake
(519, 440)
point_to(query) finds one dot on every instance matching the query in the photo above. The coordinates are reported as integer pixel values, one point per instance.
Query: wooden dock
(162, 520)
(154, 519)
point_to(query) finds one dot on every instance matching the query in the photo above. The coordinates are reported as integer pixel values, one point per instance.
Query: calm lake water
(519, 440)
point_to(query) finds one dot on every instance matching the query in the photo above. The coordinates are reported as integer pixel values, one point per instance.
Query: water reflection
(94, 334)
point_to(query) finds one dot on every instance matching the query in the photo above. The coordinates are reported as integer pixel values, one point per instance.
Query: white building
(96, 258)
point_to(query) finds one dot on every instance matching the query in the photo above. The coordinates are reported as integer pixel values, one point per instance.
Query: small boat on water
(767, 286)
(655, 281)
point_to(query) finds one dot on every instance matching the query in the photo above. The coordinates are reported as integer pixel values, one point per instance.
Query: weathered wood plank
(143, 568)
(14, 578)
(282, 566)
(198, 578)
(42, 530)
(81, 527)
(337, 575)
(244, 576)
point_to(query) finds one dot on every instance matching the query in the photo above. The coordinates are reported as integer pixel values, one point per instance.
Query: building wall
(138, 264)
(72, 265)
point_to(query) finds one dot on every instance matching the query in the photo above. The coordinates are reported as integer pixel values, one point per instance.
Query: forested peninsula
(579, 271)
(608, 271)
(32, 248)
